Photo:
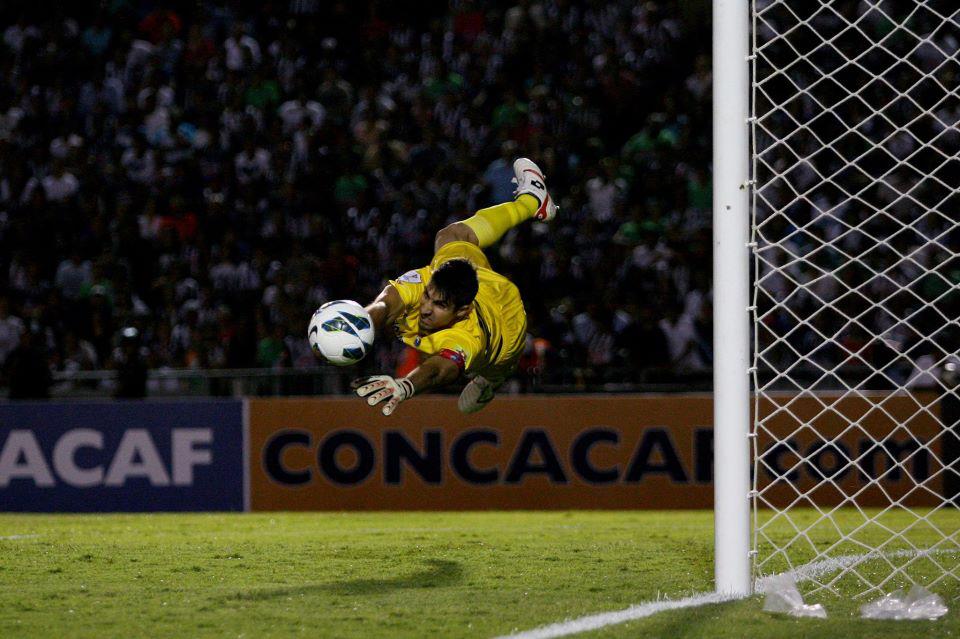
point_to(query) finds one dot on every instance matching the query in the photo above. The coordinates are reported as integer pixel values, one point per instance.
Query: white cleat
(476, 395)
(531, 180)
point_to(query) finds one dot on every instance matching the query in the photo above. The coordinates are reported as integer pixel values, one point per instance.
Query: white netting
(856, 303)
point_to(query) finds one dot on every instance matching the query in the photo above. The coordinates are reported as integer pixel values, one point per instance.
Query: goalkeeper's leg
(488, 225)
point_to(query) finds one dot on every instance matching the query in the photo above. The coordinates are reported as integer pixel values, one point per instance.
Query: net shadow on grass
(438, 573)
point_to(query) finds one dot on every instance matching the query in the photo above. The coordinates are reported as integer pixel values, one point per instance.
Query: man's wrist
(407, 389)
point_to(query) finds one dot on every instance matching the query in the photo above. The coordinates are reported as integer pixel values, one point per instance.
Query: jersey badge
(411, 277)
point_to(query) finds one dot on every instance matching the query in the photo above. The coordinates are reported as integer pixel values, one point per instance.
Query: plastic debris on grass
(782, 596)
(919, 603)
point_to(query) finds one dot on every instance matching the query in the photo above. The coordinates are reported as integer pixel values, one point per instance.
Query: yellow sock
(491, 223)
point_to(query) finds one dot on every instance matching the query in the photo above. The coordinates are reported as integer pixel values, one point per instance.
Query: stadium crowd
(194, 179)
(855, 237)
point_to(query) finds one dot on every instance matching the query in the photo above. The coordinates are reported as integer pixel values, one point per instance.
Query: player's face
(436, 313)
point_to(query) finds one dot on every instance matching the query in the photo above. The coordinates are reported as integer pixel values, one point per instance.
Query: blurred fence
(265, 382)
(187, 382)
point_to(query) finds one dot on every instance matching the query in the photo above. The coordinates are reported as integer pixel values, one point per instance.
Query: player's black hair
(456, 282)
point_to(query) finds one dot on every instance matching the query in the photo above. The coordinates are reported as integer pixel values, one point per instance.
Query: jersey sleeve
(455, 344)
(410, 286)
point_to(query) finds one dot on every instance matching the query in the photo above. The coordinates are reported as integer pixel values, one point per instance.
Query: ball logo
(360, 322)
(336, 324)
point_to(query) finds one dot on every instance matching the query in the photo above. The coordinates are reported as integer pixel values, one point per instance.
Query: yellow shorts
(468, 251)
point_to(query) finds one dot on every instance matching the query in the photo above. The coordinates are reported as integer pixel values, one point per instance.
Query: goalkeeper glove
(383, 387)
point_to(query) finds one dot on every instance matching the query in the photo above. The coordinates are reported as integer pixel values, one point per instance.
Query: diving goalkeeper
(468, 320)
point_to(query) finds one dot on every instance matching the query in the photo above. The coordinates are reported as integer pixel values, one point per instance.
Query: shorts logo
(411, 277)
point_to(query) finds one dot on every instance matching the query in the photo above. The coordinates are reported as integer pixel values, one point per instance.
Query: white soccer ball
(341, 331)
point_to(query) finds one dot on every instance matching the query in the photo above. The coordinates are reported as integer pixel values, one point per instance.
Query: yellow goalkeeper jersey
(490, 340)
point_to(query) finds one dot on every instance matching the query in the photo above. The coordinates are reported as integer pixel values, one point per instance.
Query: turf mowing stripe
(806, 572)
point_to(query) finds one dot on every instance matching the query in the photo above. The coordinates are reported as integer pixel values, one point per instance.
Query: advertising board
(121, 456)
(573, 452)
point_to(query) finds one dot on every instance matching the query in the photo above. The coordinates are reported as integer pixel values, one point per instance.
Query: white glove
(384, 387)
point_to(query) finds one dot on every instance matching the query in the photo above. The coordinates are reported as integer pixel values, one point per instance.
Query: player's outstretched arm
(435, 371)
(386, 309)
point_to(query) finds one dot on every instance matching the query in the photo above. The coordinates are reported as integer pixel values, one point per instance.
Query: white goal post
(731, 338)
(836, 173)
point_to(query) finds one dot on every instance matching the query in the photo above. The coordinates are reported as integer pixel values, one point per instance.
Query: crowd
(859, 284)
(196, 178)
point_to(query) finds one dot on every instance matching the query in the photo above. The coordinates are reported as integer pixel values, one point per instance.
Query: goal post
(731, 382)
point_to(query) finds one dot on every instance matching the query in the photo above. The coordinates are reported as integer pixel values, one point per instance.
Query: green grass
(378, 575)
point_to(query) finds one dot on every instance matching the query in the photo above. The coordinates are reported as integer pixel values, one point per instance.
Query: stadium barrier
(121, 456)
(521, 452)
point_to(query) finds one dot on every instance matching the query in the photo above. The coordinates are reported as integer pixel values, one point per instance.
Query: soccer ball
(341, 332)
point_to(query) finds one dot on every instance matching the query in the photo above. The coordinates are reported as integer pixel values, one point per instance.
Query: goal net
(855, 241)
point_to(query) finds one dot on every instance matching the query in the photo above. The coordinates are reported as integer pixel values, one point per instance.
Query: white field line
(12, 537)
(593, 622)
(813, 570)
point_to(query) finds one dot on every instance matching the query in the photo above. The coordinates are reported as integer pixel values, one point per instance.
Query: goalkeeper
(468, 320)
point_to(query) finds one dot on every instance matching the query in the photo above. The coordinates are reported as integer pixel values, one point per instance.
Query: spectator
(78, 354)
(681, 341)
(499, 173)
(242, 50)
(74, 276)
(129, 359)
(26, 370)
(605, 191)
(11, 328)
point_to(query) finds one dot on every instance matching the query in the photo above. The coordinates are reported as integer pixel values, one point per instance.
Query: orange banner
(868, 450)
(520, 452)
(537, 452)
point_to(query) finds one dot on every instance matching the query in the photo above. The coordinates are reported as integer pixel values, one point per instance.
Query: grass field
(380, 575)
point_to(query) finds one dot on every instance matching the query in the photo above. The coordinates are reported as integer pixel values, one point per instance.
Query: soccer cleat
(531, 180)
(475, 395)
